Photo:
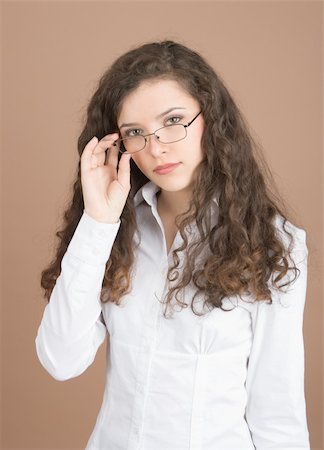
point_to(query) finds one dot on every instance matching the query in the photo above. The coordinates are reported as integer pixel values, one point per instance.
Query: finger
(86, 156)
(93, 154)
(93, 160)
(112, 156)
(105, 143)
(124, 169)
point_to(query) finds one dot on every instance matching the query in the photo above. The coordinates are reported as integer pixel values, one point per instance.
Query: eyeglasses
(166, 135)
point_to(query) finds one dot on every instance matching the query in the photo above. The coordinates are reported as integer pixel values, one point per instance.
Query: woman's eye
(173, 117)
(132, 132)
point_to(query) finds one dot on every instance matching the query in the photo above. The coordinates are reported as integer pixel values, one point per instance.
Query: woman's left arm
(276, 407)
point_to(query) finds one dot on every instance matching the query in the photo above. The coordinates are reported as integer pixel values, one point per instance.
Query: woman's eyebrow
(158, 117)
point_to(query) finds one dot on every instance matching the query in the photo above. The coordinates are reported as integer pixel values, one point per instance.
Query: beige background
(270, 56)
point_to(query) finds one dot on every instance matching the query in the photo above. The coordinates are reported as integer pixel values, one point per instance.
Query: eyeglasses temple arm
(188, 124)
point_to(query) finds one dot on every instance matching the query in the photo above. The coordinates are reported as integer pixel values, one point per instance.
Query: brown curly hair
(244, 248)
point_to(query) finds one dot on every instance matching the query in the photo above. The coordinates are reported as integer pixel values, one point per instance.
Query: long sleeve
(72, 327)
(276, 407)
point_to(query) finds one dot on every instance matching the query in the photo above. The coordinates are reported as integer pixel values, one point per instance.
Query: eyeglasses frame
(156, 137)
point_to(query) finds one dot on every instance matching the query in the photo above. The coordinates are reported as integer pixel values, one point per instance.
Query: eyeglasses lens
(165, 135)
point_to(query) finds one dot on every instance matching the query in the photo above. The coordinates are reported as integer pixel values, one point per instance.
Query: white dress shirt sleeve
(276, 407)
(72, 327)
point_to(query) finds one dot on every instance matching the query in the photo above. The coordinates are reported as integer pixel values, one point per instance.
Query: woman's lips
(167, 169)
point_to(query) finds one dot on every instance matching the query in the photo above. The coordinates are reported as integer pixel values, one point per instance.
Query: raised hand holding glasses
(105, 190)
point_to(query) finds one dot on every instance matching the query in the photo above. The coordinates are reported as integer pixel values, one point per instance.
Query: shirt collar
(148, 193)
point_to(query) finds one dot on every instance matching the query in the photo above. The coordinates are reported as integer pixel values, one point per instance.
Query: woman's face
(152, 105)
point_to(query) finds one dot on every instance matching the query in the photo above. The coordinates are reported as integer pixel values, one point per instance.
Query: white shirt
(225, 380)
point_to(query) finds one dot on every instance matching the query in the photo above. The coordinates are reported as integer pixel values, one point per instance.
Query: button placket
(145, 355)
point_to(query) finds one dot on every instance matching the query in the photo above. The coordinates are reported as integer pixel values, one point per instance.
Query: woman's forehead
(154, 97)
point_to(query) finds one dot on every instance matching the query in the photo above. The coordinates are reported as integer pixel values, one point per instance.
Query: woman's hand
(105, 190)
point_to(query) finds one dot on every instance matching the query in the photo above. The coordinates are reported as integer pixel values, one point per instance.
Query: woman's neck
(173, 203)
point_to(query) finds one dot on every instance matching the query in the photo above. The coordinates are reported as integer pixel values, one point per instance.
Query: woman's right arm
(72, 328)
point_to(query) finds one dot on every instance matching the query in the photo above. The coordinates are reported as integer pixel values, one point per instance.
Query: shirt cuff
(92, 241)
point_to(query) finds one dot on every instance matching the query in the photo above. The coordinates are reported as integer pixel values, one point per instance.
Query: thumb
(124, 170)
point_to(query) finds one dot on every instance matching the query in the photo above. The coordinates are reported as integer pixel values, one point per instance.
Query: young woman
(175, 248)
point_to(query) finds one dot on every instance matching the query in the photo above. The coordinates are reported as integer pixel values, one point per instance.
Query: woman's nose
(154, 145)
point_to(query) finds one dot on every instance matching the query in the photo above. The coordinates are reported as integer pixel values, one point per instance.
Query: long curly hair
(244, 248)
